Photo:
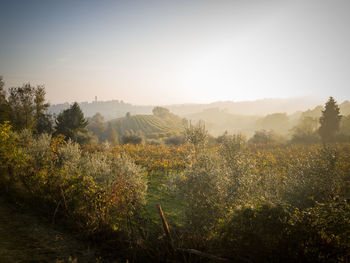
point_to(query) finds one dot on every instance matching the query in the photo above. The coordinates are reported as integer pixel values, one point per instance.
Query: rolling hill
(161, 124)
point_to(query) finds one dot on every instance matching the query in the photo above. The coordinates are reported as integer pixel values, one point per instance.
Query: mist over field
(175, 131)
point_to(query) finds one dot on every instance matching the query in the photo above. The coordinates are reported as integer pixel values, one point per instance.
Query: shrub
(259, 234)
(196, 135)
(281, 233)
(92, 190)
(267, 137)
(175, 140)
(203, 188)
(12, 158)
(312, 179)
(132, 139)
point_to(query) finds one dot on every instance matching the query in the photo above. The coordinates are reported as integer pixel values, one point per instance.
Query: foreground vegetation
(234, 200)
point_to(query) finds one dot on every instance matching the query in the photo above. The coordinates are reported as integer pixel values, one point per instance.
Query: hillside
(218, 121)
(317, 111)
(117, 108)
(161, 124)
(256, 107)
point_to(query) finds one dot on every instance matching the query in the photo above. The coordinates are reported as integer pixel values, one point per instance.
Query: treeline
(26, 108)
(330, 127)
(279, 123)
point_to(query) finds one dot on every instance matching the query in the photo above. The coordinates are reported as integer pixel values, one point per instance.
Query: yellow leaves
(157, 158)
(57, 142)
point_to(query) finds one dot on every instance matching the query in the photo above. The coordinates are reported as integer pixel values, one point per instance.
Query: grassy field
(158, 193)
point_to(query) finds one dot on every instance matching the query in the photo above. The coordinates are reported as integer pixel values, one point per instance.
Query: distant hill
(108, 109)
(317, 111)
(256, 107)
(218, 121)
(236, 117)
(161, 124)
(117, 108)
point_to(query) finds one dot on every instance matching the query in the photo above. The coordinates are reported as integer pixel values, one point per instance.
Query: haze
(167, 52)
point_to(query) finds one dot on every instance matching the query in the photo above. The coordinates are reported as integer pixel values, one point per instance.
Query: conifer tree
(71, 122)
(330, 121)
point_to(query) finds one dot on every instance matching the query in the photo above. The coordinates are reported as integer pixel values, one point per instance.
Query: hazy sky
(162, 52)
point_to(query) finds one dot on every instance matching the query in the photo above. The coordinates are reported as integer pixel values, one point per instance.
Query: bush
(12, 158)
(175, 140)
(258, 234)
(312, 179)
(267, 137)
(196, 135)
(91, 190)
(204, 189)
(280, 233)
(132, 139)
(154, 142)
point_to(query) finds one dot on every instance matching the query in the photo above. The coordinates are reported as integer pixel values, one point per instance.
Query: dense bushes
(267, 208)
(204, 189)
(281, 233)
(245, 202)
(91, 190)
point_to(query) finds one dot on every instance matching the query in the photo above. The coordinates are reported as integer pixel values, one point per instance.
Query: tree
(97, 127)
(306, 131)
(5, 110)
(39, 100)
(21, 100)
(345, 128)
(71, 123)
(44, 124)
(43, 120)
(112, 135)
(330, 121)
(278, 122)
(28, 108)
(160, 112)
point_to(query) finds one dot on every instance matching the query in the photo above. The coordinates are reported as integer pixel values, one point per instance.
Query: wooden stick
(165, 226)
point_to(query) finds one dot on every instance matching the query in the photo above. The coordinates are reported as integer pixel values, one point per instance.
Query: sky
(170, 52)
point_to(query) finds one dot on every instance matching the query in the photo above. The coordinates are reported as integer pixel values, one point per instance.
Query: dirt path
(23, 238)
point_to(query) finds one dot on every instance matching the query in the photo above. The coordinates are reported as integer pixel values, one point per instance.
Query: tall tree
(71, 123)
(21, 100)
(43, 120)
(40, 105)
(329, 121)
(28, 108)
